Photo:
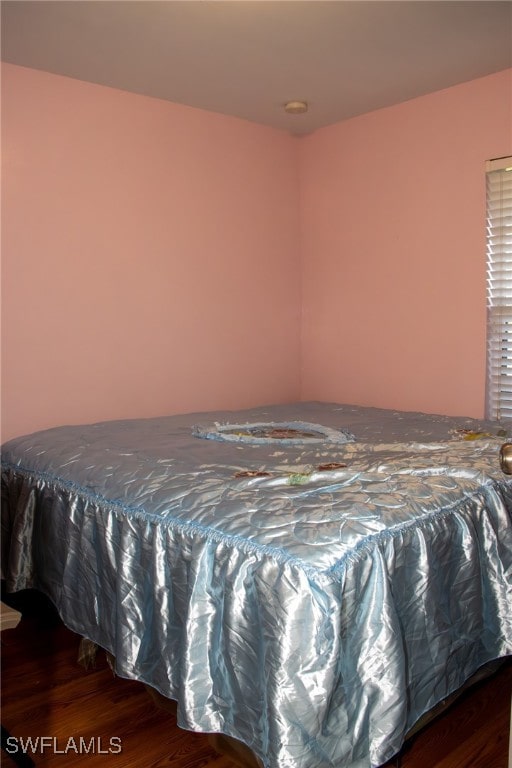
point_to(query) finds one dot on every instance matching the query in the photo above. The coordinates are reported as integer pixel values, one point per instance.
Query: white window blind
(499, 288)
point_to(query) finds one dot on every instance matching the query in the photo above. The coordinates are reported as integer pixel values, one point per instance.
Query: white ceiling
(248, 57)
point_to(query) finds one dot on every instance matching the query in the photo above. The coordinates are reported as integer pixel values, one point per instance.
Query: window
(499, 288)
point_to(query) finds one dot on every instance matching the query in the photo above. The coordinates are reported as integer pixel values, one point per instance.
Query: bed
(309, 579)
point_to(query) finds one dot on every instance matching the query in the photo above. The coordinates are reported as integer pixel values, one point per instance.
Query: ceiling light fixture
(295, 107)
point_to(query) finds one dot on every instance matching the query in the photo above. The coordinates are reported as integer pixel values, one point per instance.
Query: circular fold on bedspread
(269, 432)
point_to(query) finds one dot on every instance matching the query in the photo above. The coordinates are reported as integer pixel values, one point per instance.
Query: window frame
(499, 288)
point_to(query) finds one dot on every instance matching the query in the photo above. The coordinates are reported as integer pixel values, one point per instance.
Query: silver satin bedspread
(313, 613)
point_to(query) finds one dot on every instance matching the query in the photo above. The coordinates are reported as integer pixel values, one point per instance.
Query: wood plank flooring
(45, 692)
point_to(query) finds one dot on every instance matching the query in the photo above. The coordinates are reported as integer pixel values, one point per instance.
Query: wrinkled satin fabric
(312, 601)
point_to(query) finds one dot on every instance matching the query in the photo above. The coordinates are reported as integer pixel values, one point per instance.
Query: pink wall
(393, 250)
(149, 256)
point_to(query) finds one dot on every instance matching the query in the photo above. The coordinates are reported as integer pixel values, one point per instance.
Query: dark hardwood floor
(45, 692)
